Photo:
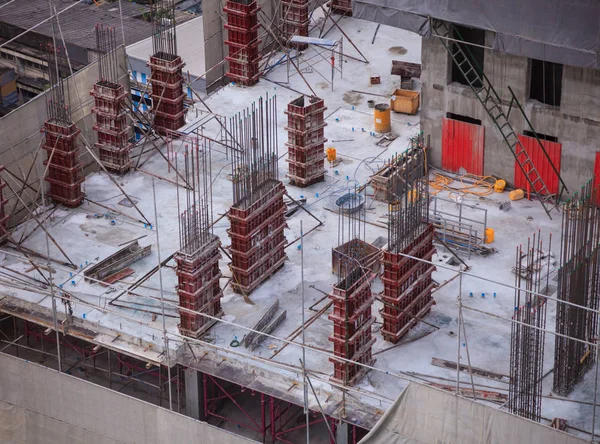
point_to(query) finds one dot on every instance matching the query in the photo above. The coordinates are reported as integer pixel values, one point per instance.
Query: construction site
(352, 222)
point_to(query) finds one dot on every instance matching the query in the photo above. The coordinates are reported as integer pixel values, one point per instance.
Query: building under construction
(216, 283)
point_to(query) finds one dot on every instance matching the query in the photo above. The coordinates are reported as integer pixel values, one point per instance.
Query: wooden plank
(117, 261)
(122, 274)
(268, 330)
(261, 324)
(451, 365)
(406, 69)
(486, 395)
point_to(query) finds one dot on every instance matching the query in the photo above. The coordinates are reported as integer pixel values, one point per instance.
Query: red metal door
(541, 163)
(597, 177)
(462, 146)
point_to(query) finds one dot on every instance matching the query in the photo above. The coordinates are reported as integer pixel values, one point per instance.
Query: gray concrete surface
(39, 405)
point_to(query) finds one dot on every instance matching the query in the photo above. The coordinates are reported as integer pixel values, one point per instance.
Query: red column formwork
(407, 286)
(198, 288)
(3, 214)
(64, 165)
(295, 20)
(257, 239)
(242, 39)
(352, 321)
(306, 140)
(343, 7)
(111, 126)
(166, 79)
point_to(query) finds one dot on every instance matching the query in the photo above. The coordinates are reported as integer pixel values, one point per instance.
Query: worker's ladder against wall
(486, 94)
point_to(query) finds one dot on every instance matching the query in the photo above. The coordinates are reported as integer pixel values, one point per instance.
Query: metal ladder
(487, 96)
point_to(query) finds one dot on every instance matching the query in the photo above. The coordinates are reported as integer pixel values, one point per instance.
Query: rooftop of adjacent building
(77, 23)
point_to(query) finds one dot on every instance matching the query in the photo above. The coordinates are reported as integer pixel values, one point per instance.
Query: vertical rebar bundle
(407, 281)
(197, 260)
(57, 106)
(164, 39)
(351, 233)
(195, 220)
(108, 64)
(351, 296)
(532, 272)
(578, 283)
(408, 195)
(254, 168)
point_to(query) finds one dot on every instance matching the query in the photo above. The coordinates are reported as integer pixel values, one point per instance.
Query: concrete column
(194, 394)
(342, 432)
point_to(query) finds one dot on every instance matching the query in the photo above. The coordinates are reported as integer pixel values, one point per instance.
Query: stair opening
(474, 53)
(541, 136)
(545, 82)
(463, 118)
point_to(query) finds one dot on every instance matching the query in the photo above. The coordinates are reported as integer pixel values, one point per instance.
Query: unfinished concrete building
(306, 140)
(553, 76)
(284, 364)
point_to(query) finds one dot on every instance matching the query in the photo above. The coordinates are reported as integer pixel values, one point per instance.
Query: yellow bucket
(331, 154)
(499, 186)
(382, 118)
(489, 235)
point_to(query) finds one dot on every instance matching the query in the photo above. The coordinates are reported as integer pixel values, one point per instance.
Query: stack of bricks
(294, 20)
(166, 79)
(242, 39)
(343, 7)
(199, 289)
(3, 213)
(111, 126)
(407, 285)
(64, 165)
(306, 140)
(257, 239)
(352, 322)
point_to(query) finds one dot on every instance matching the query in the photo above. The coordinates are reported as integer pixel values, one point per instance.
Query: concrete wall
(214, 47)
(39, 405)
(21, 134)
(576, 123)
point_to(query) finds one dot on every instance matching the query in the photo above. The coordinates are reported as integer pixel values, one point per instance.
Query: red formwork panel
(462, 146)
(542, 165)
(166, 79)
(64, 167)
(343, 7)
(257, 239)
(306, 139)
(4, 216)
(352, 321)
(407, 286)
(597, 177)
(198, 287)
(242, 39)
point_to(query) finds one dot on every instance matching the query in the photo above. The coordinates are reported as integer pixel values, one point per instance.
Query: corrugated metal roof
(77, 24)
(190, 46)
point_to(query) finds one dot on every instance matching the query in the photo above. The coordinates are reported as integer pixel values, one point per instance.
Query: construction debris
(117, 262)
